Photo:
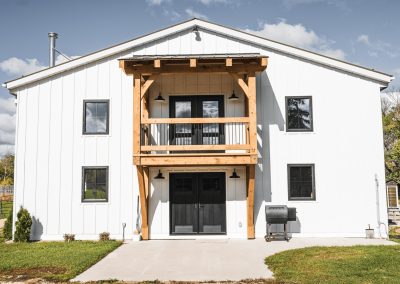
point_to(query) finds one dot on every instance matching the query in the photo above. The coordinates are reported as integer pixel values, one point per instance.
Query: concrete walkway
(200, 260)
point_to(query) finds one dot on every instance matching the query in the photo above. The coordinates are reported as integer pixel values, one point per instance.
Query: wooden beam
(197, 120)
(250, 180)
(194, 147)
(242, 84)
(264, 61)
(200, 160)
(157, 63)
(193, 62)
(147, 84)
(136, 115)
(143, 203)
(228, 62)
(252, 110)
(200, 68)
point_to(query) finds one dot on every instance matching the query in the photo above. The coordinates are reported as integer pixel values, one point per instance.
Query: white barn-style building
(191, 131)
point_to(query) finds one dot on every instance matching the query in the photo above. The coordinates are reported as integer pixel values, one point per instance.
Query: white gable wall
(346, 145)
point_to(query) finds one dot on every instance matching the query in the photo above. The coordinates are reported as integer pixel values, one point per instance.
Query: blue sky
(365, 32)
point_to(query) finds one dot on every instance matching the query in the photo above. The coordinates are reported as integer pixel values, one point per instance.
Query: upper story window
(301, 182)
(96, 116)
(299, 114)
(95, 184)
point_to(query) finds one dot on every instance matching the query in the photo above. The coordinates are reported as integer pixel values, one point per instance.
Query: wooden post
(143, 202)
(250, 176)
(136, 116)
(252, 112)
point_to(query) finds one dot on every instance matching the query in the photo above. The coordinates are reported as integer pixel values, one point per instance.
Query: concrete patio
(201, 260)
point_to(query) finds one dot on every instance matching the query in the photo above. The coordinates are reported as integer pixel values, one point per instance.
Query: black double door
(197, 203)
(209, 106)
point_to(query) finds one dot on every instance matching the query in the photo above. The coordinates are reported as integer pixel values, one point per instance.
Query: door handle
(201, 206)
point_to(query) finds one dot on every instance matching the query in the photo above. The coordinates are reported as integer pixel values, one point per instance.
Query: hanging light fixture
(159, 98)
(159, 175)
(234, 174)
(233, 97)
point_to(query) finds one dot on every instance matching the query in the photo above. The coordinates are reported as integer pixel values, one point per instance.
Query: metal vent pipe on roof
(52, 49)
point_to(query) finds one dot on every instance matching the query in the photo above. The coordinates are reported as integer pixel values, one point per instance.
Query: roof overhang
(244, 63)
(380, 78)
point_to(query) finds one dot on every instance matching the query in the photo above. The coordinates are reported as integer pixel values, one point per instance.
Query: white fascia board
(298, 52)
(381, 78)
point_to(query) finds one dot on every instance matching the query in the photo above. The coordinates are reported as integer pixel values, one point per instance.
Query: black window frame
(83, 200)
(313, 183)
(311, 114)
(84, 132)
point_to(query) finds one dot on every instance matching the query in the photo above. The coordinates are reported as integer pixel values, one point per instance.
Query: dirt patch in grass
(22, 274)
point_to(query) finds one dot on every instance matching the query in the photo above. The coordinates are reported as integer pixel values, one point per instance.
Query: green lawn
(55, 261)
(5, 208)
(357, 264)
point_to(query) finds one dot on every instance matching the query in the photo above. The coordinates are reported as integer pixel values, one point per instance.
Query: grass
(5, 208)
(356, 264)
(54, 261)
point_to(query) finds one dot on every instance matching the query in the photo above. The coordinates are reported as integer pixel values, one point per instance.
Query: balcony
(195, 141)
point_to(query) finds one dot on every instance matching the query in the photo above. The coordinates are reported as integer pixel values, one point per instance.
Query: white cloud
(17, 67)
(363, 39)
(335, 53)
(191, 13)
(299, 36)
(335, 3)
(6, 150)
(209, 2)
(7, 125)
(171, 14)
(61, 59)
(156, 2)
(376, 47)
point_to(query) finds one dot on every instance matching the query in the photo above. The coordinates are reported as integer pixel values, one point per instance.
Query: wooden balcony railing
(190, 135)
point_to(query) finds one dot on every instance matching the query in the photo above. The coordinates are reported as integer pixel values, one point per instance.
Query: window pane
(210, 109)
(183, 109)
(90, 176)
(301, 182)
(95, 184)
(101, 177)
(299, 113)
(96, 117)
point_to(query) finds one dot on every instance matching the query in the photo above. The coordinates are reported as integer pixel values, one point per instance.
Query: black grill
(278, 214)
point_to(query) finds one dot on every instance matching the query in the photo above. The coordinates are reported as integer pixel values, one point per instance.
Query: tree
(7, 170)
(23, 226)
(391, 133)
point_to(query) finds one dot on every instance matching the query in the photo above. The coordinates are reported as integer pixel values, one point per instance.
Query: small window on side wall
(299, 114)
(94, 184)
(96, 116)
(301, 182)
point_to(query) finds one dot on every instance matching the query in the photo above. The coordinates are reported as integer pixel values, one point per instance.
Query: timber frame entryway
(145, 70)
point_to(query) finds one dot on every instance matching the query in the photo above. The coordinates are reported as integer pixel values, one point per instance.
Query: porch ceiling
(219, 63)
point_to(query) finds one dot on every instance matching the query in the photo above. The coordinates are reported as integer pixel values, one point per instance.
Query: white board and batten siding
(345, 146)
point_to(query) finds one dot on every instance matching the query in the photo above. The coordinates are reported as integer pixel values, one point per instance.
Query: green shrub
(105, 236)
(23, 226)
(7, 231)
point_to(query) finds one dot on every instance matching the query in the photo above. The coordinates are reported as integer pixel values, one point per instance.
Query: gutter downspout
(378, 213)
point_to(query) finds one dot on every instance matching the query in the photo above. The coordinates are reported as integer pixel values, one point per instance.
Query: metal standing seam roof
(194, 56)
